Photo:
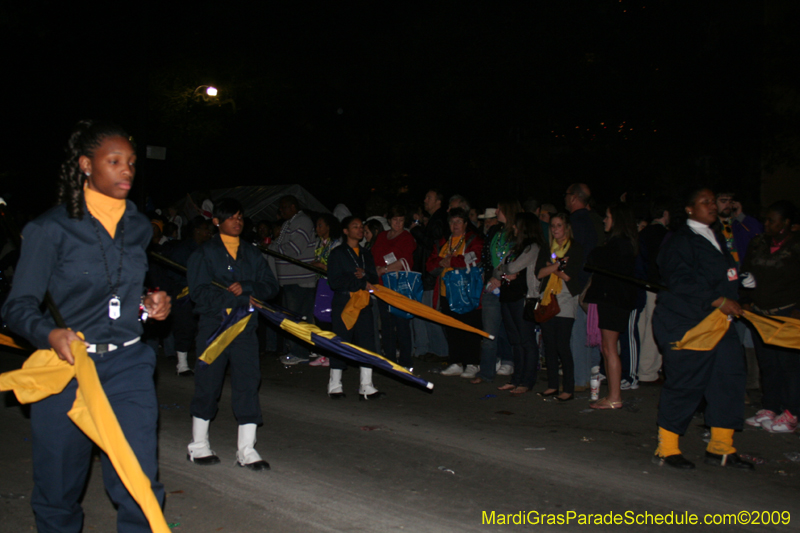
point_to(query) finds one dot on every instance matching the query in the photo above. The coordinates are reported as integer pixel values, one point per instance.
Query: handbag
(543, 313)
(464, 287)
(323, 300)
(530, 309)
(404, 282)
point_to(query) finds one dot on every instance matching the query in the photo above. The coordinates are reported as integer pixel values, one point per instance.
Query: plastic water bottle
(496, 291)
(594, 383)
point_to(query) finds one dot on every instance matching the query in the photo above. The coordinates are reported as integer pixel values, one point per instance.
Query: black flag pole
(652, 287)
(292, 260)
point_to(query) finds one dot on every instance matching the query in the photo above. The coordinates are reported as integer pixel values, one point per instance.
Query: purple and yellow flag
(331, 342)
(233, 324)
(236, 321)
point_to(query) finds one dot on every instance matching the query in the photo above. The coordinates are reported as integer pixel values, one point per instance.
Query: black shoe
(337, 395)
(675, 461)
(731, 460)
(374, 396)
(257, 466)
(560, 399)
(186, 373)
(546, 394)
(204, 461)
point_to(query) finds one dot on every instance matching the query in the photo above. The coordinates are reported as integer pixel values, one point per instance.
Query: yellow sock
(721, 442)
(667, 443)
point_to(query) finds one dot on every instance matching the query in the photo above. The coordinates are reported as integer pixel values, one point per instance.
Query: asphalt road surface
(425, 461)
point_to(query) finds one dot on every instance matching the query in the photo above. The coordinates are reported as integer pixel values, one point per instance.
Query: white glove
(749, 281)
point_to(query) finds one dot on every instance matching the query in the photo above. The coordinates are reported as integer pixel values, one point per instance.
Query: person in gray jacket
(298, 285)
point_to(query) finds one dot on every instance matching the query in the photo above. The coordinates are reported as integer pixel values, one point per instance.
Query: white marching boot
(367, 390)
(247, 454)
(183, 366)
(200, 451)
(335, 385)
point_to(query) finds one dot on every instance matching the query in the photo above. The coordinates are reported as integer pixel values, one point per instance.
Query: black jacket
(650, 240)
(617, 255)
(777, 274)
(342, 264)
(212, 262)
(436, 229)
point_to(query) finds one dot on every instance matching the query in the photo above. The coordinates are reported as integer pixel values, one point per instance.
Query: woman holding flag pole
(242, 269)
(88, 253)
(351, 272)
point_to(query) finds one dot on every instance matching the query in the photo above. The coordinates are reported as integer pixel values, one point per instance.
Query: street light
(209, 96)
(209, 93)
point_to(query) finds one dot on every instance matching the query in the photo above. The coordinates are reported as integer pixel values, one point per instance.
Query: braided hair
(87, 136)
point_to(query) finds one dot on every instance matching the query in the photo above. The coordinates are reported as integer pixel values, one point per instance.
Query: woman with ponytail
(89, 254)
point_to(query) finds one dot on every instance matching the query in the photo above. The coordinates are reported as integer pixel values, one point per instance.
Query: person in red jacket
(460, 248)
(390, 249)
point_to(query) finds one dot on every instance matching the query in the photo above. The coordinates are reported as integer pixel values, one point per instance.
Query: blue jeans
(429, 336)
(522, 335)
(492, 317)
(583, 356)
(780, 375)
(299, 300)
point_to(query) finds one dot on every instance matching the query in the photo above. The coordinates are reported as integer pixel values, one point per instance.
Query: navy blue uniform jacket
(212, 262)
(342, 264)
(63, 255)
(696, 274)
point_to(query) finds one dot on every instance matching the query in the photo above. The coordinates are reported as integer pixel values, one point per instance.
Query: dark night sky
(641, 96)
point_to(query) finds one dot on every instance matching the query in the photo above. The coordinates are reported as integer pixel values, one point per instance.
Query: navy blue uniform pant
(362, 334)
(62, 453)
(717, 375)
(242, 355)
(184, 324)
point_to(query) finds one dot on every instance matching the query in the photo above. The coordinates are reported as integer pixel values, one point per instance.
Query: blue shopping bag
(464, 287)
(405, 282)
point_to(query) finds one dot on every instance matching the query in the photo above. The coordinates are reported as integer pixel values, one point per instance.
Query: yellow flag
(358, 301)
(395, 299)
(705, 335)
(44, 374)
(5, 340)
(777, 330)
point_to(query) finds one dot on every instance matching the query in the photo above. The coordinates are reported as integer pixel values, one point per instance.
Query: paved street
(418, 461)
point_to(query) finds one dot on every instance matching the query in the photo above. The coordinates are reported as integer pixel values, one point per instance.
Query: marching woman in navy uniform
(243, 270)
(351, 269)
(701, 276)
(89, 254)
